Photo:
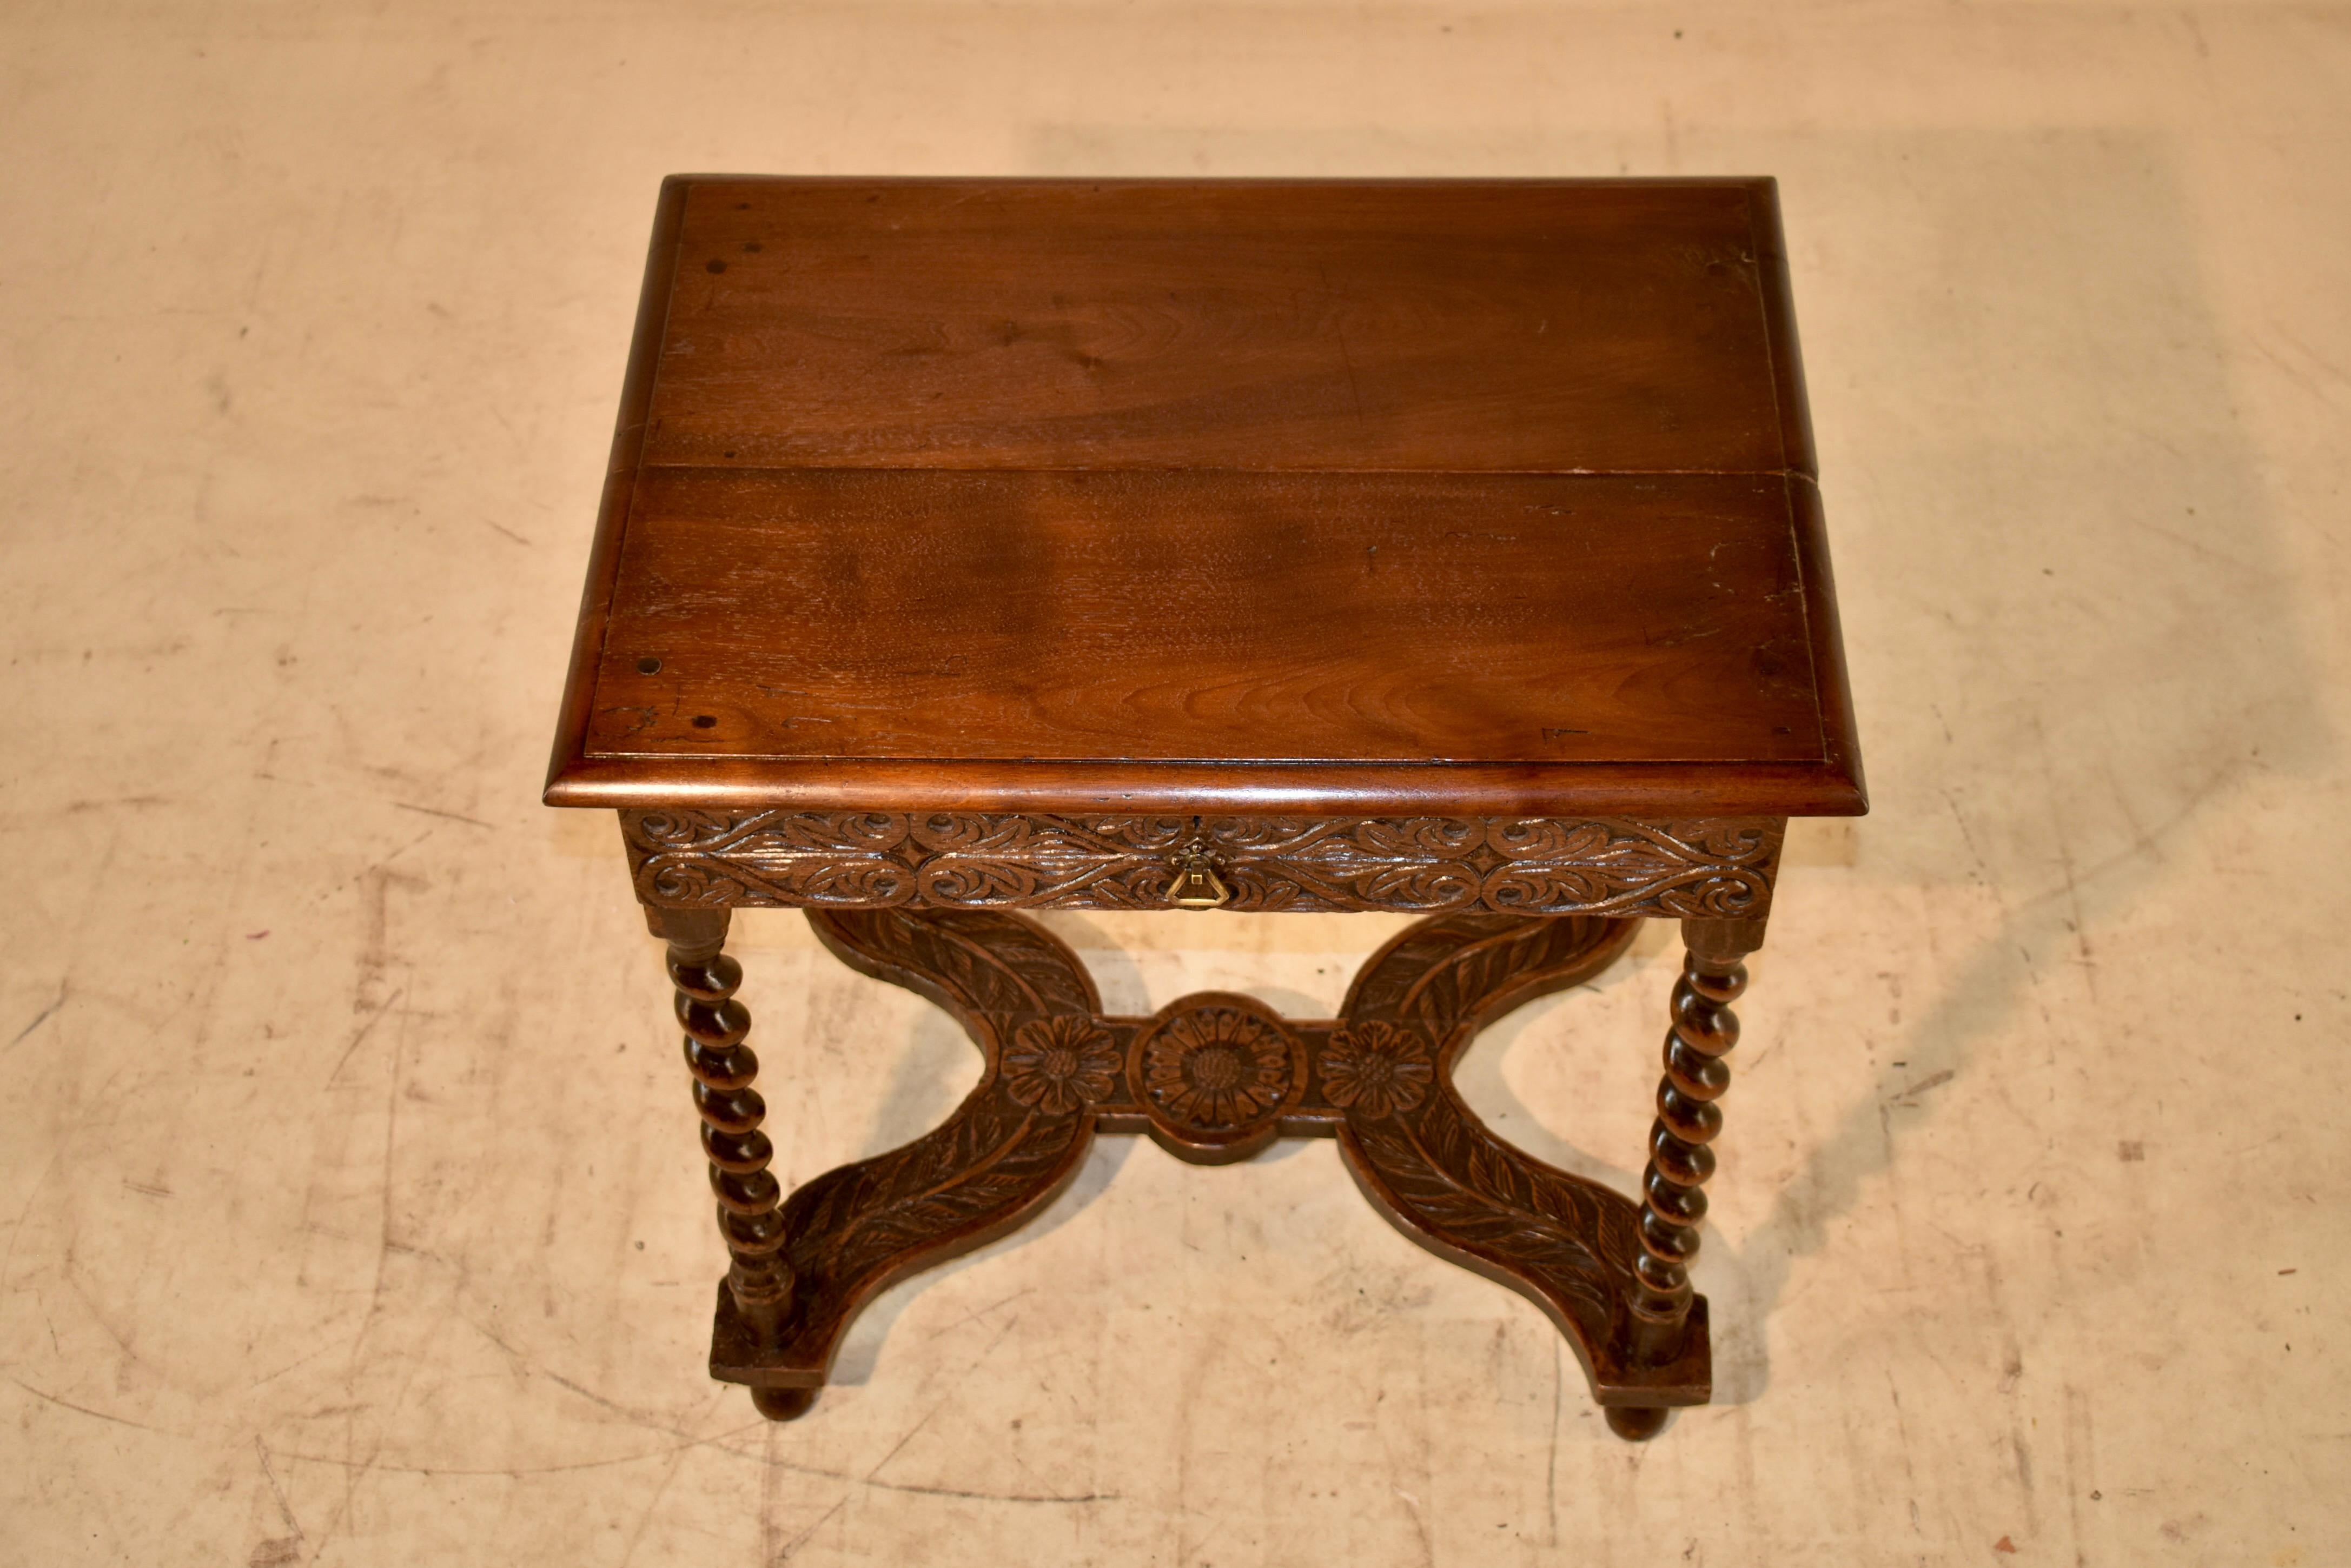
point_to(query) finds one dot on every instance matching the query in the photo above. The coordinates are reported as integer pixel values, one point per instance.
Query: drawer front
(1706, 868)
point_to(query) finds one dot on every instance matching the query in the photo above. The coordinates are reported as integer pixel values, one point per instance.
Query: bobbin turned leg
(751, 1214)
(1673, 1198)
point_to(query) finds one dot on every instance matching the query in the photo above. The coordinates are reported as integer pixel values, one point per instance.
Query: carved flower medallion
(1213, 1068)
(1376, 1068)
(1057, 1065)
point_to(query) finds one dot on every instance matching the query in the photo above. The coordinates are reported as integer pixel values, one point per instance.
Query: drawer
(1706, 868)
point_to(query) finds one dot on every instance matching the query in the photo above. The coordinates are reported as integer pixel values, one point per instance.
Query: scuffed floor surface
(352, 1213)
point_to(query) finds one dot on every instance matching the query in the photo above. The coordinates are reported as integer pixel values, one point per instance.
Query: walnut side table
(973, 546)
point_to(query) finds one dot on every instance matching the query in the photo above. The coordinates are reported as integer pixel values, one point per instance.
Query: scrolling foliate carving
(1424, 865)
(1708, 868)
(1436, 1169)
(1212, 1077)
(697, 859)
(1717, 869)
(970, 861)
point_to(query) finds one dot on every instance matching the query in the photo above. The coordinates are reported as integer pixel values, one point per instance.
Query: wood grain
(1593, 326)
(1386, 497)
(1028, 617)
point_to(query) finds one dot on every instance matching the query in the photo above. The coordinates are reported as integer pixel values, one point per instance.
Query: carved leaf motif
(1710, 868)
(1532, 838)
(985, 1161)
(1215, 1066)
(700, 880)
(1449, 995)
(1707, 869)
(954, 882)
(1701, 893)
(968, 884)
(866, 832)
(990, 967)
(1339, 839)
(1280, 863)
(1048, 838)
(1541, 1225)
(1447, 975)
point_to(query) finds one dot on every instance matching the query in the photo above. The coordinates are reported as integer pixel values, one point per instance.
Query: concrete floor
(352, 1213)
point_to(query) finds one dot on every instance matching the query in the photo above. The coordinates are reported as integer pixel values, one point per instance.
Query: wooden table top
(1457, 497)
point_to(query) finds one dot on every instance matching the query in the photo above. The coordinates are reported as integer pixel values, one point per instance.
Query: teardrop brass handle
(1197, 885)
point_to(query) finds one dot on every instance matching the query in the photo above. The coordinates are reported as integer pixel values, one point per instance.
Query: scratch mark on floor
(82, 806)
(1550, 1479)
(718, 1441)
(365, 1029)
(635, 1417)
(289, 1367)
(797, 1542)
(8, 1258)
(768, 1551)
(95, 1314)
(1931, 1081)
(983, 1311)
(284, 1509)
(518, 1471)
(43, 1016)
(909, 1438)
(450, 815)
(378, 866)
(1419, 1522)
(85, 1410)
(984, 1352)
(669, 1474)
(988, 1496)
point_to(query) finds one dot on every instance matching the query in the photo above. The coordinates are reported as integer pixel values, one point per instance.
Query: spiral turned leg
(1673, 1196)
(750, 1212)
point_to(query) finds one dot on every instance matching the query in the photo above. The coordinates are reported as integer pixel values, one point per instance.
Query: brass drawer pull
(1197, 885)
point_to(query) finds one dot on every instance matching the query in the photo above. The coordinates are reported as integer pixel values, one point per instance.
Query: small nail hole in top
(704, 721)
(649, 667)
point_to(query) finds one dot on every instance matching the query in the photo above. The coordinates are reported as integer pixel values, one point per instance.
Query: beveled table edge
(1468, 789)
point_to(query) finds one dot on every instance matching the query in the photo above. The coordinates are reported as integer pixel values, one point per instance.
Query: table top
(1309, 496)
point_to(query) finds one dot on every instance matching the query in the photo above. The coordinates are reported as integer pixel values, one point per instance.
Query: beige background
(352, 1213)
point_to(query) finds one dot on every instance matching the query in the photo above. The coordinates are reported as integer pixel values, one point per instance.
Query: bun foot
(1637, 1423)
(783, 1404)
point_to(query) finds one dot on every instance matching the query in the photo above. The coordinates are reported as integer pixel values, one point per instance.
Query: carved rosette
(1059, 1065)
(1713, 868)
(1214, 1072)
(1375, 1069)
